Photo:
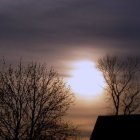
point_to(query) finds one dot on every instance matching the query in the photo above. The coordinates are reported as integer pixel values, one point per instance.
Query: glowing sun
(86, 80)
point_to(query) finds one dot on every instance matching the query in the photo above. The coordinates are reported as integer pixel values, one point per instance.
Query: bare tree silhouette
(33, 101)
(123, 82)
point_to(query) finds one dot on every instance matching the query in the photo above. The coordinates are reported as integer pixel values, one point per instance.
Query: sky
(58, 32)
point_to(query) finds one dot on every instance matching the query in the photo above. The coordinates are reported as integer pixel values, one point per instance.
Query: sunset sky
(66, 33)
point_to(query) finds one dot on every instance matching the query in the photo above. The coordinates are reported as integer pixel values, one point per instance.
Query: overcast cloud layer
(51, 27)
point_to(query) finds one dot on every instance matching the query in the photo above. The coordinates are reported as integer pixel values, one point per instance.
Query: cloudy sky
(57, 32)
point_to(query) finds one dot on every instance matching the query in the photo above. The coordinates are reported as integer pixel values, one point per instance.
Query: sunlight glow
(86, 80)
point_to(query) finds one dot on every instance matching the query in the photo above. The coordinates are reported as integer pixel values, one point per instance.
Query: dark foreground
(117, 128)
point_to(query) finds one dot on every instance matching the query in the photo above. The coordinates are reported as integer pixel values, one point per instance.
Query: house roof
(117, 128)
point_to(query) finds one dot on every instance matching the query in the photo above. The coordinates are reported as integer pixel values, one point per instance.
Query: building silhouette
(123, 127)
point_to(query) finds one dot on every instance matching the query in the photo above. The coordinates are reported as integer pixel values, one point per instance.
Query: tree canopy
(33, 101)
(122, 76)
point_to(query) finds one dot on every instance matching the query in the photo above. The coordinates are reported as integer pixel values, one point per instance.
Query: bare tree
(123, 82)
(33, 101)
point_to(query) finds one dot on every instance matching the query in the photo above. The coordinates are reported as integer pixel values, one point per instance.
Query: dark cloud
(50, 28)
(59, 30)
(62, 20)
